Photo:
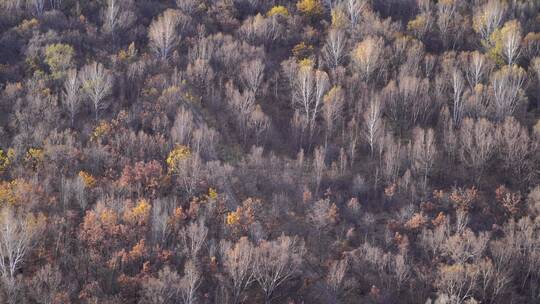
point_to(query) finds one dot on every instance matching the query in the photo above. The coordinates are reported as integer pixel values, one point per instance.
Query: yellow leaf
(278, 10)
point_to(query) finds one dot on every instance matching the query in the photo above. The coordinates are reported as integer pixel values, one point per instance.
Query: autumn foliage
(277, 152)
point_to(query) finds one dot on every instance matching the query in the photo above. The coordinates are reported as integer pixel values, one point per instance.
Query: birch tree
(334, 48)
(477, 144)
(37, 7)
(336, 274)
(319, 166)
(458, 87)
(489, 18)
(511, 41)
(457, 282)
(17, 236)
(447, 20)
(515, 145)
(252, 75)
(242, 105)
(117, 16)
(332, 109)
(163, 35)
(194, 237)
(354, 9)
(276, 262)
(476, 67)
(189, 283)
(238, 263)
(367, 56)
(424, 152)
(259, 123)
(373, 124)
(71, 94)
(182, 128)
(506, 87)
(189, 7)
(165, 289)
(309, 86)
(97, 84)
(111, 16)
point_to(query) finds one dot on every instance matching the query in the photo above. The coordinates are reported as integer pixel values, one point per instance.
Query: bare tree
(395, 109)
(432, 241)
(117, 16)
(200, 73)
(335, 275)
(477, 144)
(182, 128)
(161, 210)
(488, 18)
(261, 30)
(111, 16)
(96, 83)
(309, 87)
(424, 152)
(449, 134)
(367, 56)
(276, 262)
(492, 279)
(448, 21)
(189, 283)
(12, 5)
(259, 123)
(238, 263)
(162, 33)
(37, 7)
(423, 22)
(353, 136)
(457, 282)
(466, 246)
(334, 48)
(518, 251)
(477, 102)
(194, 237)
(46, 285)
(458, 86)
(515, 145)
(506, 87)
(391, 162)
(407, 101)
(462, 220)
(189, 170)
(511, 41)
(373, 126)
(332, 109)
(55, 4)
(189, 7)
(252, 75)
(242, 105)
(476, 67)
(17, 236)
(354, 10)
(322, 214)
(165, 289)
(321, 86)
(401, 269)
(319, 166)
(204, 141)
(71, 94)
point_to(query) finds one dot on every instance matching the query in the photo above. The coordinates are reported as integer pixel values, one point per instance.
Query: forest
(269, 151)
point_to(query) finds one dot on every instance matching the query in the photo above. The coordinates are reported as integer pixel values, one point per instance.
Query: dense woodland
(269, 151)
